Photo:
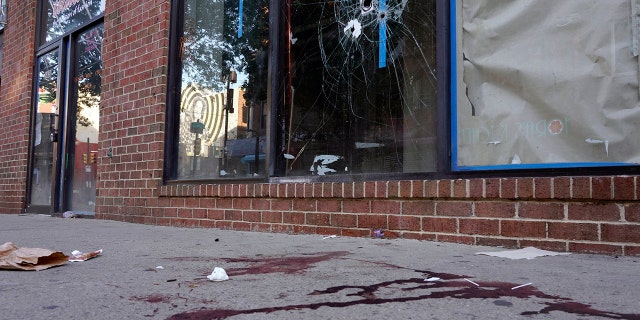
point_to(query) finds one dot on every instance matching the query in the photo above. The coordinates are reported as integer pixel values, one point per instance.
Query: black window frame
(172, 120)
(445, 56)
(274, 109)
(64, 45)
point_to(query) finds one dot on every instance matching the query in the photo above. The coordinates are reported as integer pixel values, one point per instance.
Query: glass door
(66, 122)
(84, 120)
(46, 133)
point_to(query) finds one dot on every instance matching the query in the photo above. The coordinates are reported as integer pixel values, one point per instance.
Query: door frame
(60, 184)
(59, 126)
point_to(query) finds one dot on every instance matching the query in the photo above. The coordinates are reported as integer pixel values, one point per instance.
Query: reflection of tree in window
(48, 80)
(363, 85)
(209, 49)
(210, 46)
(89, 73)
(64, 16)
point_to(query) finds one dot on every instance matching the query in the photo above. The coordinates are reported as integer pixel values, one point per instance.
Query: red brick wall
(132, 112)
(578, 214)
(15, 103)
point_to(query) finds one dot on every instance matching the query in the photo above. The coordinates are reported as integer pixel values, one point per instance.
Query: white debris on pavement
(522, 285)
(524, 253)
(218, 274)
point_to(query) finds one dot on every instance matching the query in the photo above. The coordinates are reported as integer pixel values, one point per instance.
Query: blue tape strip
(382, 45)
(240, 12)
(454, 85)
(559, 165)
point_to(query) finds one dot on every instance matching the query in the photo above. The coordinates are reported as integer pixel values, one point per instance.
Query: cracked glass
(360, 87)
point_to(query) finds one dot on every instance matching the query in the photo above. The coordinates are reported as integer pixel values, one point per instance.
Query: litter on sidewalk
(522, 285)
(30, 259)
(473, 283)
(218, 274)
(77, 256)
(524, 253)
(69, 214)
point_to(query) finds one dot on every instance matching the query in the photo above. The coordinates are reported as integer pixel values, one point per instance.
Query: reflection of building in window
(202, 133)
(213, 140)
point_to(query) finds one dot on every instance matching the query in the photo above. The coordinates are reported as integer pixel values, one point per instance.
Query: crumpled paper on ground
(31, 259)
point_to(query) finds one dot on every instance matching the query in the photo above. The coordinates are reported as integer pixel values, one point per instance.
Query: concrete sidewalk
(277, 276)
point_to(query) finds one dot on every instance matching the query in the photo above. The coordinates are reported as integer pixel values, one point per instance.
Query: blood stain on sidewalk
(450, 286)
(285, 264)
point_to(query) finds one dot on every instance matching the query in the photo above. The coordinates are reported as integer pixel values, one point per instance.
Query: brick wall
(577, 214)
(132, 114)
(15, 102)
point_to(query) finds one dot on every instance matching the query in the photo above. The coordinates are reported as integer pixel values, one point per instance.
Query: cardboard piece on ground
(524, 253)
(31, 259)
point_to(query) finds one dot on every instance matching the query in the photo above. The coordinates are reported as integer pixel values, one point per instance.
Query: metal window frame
(446, 97)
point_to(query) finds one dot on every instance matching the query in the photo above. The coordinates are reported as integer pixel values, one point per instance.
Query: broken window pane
(547, 83)
(361, 87)
(223, 49)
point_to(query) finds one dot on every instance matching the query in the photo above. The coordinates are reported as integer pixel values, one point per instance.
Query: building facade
(458, 121)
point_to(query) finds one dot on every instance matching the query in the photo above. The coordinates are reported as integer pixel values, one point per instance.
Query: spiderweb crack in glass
(363, 72)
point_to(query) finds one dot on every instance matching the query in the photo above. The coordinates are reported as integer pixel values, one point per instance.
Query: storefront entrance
(64, 143)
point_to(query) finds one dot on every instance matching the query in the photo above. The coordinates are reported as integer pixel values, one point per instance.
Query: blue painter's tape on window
(382, 45)
(240, 9)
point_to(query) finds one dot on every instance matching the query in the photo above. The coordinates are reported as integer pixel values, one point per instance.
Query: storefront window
(3, 14)
(361, 90)
(546, 84)
(3, 21)
(357, 79)
(223, 47)
(63, 16)
(355, 87)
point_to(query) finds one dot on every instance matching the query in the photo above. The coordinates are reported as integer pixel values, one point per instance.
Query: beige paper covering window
(546, 82)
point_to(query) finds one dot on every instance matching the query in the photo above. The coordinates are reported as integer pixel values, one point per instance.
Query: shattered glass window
(223, 51)
(361, 87)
